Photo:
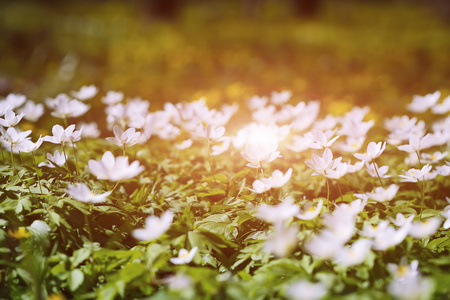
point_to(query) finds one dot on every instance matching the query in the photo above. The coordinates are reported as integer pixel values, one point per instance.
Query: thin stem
(117, 183)
(418, 157)
(422, 194)
(21, 158)
(65, 122)
(340, 192)
(37, 171)
(86, 220)
(76, 158)
(123, 150)
(65, 156)
(12, 158)
(328, 194)
(376, 170)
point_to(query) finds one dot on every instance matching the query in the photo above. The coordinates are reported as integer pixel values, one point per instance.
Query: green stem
(328, 194)
(86, 220)
(123, 150)
(12, 158)
(117, 183)
(422, 194)
(65, 156)
(37, 171)
(376, 170)
(76, 158)
(418, 157)
(65, 122)
(340, 192)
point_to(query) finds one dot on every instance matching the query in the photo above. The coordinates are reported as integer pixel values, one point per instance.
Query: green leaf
(211, 193)
(54, 217)
(107, 293)
(132, 271)
(436, 243)
(75, 279)
(79, 256)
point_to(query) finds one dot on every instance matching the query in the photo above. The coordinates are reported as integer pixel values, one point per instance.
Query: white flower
(279, 98)
(322, 140)
(85, 92)
(443, 170)
(425, 228)
(184, 256)
(32, 111)
(184, 144)
(384, 194)
(64, 107)
(10, 118)
(282, 240)
(40, 227)
(112, 98)
(374, 150)
(114, 169)
(389, 237)
(12, 137)
(221, 148)
(340, 170)
(400, 220)
(62, 136)
(258, 152)
(443, 107)
(404, 270)
(90, 130)
(324, 245)
(310, 211)
(82, 193)
(413, 288)
(178, 281)
(446, 214)
(210, 132)
(351, 209)
(28, 146)
(421, 103)
(128, 138)
(342, 225)
(154, 227)
(322, 164)
(57, 159)
(275, 214)
(257, 102)
(354, 255)
(433, 158)
(370, 168)
(301, 143)
(371, 231)
(351, 144)
(305, 290)
(414, 175)
(259, 187)
(13, 100)
(417, 144)
(278, 179)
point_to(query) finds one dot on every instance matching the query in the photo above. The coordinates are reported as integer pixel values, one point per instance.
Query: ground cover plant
(268, 199)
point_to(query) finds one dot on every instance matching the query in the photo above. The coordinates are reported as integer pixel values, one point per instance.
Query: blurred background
(357, 52)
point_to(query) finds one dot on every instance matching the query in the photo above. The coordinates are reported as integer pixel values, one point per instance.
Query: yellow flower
(56, 297)
(19, 233)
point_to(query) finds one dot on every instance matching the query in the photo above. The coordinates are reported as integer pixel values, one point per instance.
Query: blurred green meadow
(358, 52)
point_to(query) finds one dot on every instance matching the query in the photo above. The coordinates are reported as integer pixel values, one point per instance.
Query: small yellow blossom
(19, 233)
(56, 297)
